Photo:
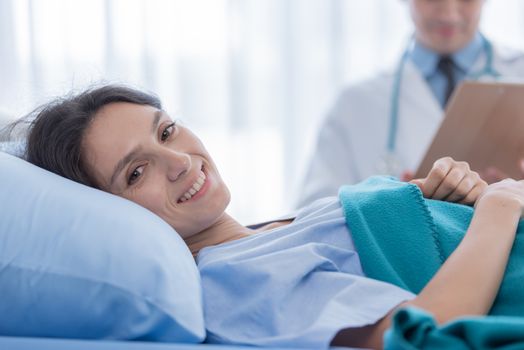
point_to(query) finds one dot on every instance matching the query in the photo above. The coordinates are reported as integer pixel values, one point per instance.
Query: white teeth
(195, 188)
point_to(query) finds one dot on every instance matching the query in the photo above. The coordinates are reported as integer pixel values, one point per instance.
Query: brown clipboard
(483, 125)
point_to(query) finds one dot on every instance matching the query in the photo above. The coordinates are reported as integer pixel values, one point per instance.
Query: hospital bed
(83, 269)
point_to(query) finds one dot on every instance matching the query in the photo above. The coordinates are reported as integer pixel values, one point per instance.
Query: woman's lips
(197, 189)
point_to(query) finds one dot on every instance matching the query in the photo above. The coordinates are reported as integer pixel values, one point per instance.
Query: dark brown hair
(56, 130)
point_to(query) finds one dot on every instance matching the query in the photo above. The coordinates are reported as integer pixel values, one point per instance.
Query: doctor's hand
(451, 181)
(492, 174)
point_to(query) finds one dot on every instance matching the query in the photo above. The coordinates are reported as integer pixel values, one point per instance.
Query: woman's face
(446, 26)
(137, 152)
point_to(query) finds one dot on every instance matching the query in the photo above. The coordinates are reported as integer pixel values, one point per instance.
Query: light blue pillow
(16, 148)
(76, 262)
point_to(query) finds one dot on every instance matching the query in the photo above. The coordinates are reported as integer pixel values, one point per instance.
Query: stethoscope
(389, 164)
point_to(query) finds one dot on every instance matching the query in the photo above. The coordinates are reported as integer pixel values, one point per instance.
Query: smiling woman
(156, 163)
(120, 140)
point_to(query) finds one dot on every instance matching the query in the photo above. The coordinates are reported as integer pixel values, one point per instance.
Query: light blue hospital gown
(296, 285)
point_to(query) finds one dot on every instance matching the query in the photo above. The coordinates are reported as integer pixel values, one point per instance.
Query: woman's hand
(451, 181)
(507, 194)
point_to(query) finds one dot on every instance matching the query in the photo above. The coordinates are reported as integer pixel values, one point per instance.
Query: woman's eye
(133, 177)
(168, 130)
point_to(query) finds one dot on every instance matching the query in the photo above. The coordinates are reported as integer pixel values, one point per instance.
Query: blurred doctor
(384, 125)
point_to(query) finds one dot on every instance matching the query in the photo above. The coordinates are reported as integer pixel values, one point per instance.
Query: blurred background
(252, 78)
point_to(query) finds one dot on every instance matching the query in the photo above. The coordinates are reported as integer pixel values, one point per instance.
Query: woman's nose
(177, 164)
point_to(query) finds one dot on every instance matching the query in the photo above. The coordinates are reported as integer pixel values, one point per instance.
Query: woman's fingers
(461, 190)
(474, 194)
(436, 176)
(452, 181)
(468, 189)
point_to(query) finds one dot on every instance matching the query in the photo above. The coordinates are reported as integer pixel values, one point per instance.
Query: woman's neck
(223, 230)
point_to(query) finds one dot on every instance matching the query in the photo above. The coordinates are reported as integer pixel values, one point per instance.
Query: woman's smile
(197, 189)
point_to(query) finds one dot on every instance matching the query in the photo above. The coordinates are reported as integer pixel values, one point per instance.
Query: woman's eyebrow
(129, 157)
(156, 120)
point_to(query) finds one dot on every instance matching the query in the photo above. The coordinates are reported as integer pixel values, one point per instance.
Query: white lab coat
(352, 140)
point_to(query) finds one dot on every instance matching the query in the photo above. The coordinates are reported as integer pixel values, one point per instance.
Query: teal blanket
(403, 238)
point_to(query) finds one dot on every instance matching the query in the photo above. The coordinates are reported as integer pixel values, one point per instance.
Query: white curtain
(253, 78)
